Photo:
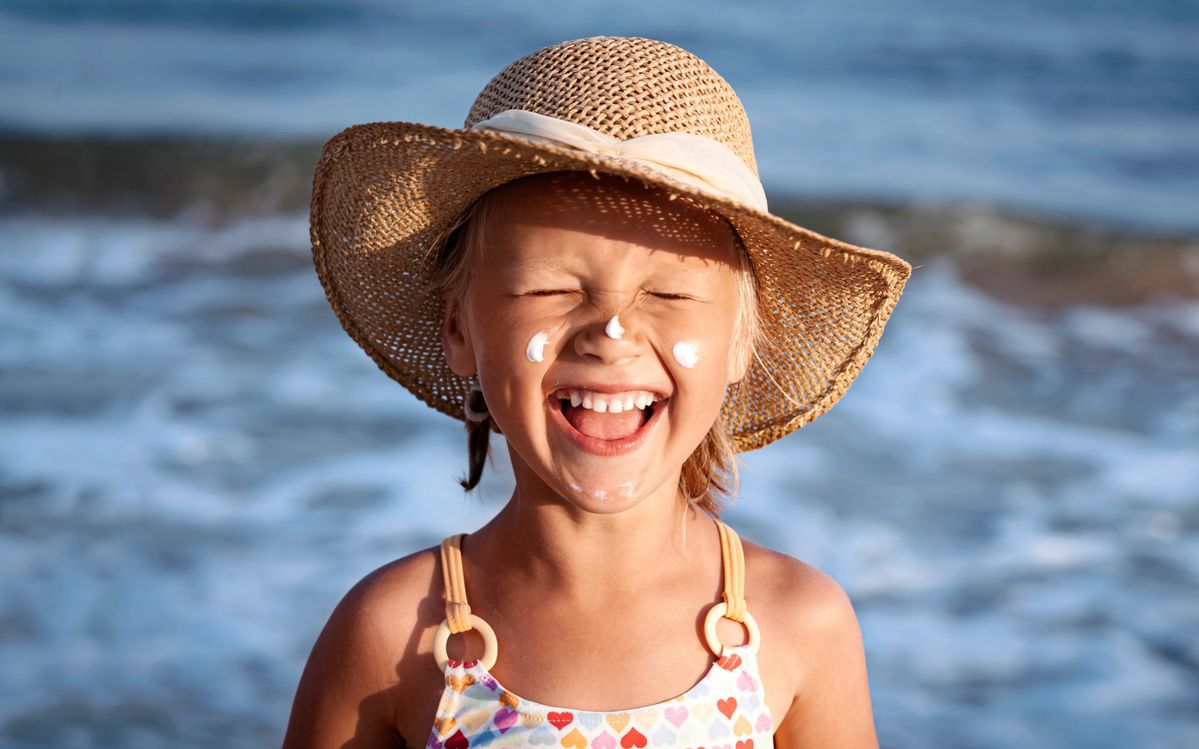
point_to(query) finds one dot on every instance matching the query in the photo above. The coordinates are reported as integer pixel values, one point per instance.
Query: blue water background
(1088, 109)
(196, 462)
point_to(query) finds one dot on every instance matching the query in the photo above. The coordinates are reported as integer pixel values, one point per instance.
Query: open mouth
(606, 423)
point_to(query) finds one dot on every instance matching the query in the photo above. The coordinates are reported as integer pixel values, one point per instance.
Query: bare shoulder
(384, 614)
(798, 596)
(367, 659)
(813, 643)
(394, 602)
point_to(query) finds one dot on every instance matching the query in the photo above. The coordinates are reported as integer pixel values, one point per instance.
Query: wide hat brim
(385, 192)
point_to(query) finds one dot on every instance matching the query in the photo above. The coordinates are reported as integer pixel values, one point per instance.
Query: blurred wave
(197, 461)
(1086, 109)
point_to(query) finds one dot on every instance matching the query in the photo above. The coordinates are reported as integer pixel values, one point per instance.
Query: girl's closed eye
(549, 292)
(663, 295)
(671, 296)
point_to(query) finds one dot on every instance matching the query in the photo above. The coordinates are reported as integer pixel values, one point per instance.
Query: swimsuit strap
(457, 610)
(458, 616)
(733, 605)
(734, 572)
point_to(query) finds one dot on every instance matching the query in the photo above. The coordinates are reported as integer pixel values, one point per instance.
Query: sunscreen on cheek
(535, 351)
(685, 353)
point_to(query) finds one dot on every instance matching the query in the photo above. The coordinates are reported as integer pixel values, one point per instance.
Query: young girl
(589, 269)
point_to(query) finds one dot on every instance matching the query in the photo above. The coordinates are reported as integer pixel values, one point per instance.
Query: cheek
(503, 337)
(535, 348)
(685, 353)
(527, 335)
(696, 343)
(513, 348)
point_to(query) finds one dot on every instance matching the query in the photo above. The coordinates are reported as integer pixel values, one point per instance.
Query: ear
(456, 341)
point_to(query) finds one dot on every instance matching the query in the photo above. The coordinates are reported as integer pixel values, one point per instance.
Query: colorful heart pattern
(724, 709)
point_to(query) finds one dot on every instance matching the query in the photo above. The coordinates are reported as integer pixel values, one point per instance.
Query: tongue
(605, 426)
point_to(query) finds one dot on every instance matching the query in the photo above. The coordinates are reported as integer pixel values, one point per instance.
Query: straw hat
(385, 192)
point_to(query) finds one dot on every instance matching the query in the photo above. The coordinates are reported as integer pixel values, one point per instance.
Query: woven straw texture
(384, 192)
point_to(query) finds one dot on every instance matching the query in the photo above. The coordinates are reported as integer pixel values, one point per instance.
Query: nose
(610, 339)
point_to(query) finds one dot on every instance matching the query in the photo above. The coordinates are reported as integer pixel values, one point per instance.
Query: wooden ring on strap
(442, 636)
(718, 610)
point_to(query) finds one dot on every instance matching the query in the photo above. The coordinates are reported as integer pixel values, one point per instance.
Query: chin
(602, 497)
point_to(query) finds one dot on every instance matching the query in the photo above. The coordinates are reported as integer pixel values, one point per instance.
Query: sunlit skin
(593, 566)
(566, 267)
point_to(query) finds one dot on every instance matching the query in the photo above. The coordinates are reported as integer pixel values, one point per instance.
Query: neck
(543, 539)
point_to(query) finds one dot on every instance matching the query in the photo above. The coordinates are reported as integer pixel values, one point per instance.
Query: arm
(832, 707)
(346, 694)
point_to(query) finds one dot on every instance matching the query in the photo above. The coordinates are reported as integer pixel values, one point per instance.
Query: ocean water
(196, 461)
(1066, 107)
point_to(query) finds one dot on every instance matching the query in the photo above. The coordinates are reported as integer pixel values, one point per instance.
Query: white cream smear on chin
(535, 351)
(686, 353)
(613, 329)
(597, 494)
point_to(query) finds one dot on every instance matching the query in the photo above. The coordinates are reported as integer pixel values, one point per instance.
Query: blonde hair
(709, 476)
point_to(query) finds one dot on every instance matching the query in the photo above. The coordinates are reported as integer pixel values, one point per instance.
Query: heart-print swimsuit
(726, 709)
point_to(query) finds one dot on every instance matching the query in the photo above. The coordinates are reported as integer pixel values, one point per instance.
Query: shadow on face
(618, 209)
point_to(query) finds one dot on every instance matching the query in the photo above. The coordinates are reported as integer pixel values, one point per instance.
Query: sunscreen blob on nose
(613, 329)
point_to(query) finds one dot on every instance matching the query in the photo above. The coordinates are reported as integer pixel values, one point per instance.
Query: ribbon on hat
(693, 159)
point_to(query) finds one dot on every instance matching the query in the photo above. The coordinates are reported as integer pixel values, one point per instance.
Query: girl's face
(601, 411)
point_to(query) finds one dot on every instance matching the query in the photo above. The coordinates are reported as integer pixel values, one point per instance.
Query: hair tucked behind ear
(451, 259)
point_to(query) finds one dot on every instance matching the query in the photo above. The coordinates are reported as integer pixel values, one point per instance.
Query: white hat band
(697, 161)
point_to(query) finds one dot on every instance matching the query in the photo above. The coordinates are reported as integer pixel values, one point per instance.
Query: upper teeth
(604, 402)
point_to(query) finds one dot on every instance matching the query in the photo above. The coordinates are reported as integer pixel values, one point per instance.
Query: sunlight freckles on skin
(567, 252)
